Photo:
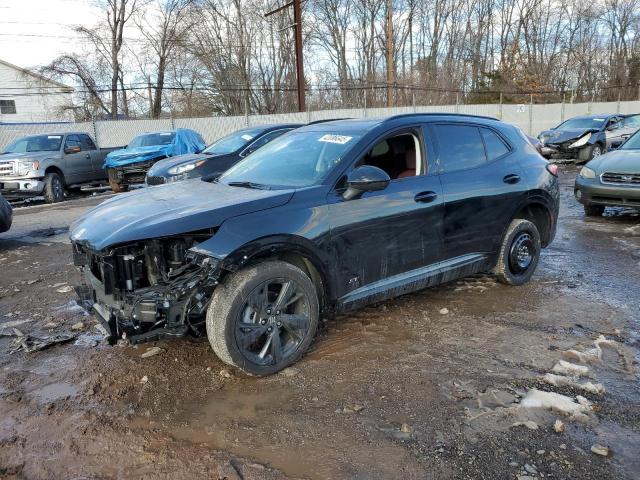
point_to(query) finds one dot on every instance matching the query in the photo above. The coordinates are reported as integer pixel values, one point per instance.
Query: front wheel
(589, 153)
(519, 253)
(263, 319)
(53, 188)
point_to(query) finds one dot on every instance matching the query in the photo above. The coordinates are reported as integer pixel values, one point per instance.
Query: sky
(34, 32)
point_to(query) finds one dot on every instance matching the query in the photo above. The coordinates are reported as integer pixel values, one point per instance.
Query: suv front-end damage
(149, 289)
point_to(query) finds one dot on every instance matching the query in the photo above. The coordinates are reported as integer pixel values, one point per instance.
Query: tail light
(552, 168)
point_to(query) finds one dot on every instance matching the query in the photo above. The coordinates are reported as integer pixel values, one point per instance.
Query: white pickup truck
(49, 164)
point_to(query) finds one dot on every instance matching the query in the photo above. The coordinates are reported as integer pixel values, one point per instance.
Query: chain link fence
(530, 117)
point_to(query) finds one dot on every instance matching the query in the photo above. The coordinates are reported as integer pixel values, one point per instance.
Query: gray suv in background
(48, 164)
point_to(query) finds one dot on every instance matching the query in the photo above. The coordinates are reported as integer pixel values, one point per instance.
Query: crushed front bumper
(593, 192)
(560, 151)
(131, 174)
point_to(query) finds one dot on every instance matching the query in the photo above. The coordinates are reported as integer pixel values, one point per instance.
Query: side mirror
(365, 178)
(74, 149)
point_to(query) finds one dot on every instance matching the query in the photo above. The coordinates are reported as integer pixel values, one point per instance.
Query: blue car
(130, 165)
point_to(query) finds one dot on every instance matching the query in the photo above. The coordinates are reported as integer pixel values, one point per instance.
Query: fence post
(95, 130)
(618, 104)
(308, 113)
(364, 93)
(500, 112)
(562, 108)
(173, 123)
(246, 111)
(413, 100)
(531, 114)
(457, 101)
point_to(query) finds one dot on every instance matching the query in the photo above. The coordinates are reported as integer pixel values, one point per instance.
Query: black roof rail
(439, 114)
(328, 120)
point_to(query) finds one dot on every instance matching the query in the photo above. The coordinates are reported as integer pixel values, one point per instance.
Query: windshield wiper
(257, 186)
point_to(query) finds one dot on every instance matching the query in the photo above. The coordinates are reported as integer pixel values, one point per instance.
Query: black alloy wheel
(273, 323)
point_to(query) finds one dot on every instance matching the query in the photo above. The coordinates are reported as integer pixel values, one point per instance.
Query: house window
(7, 106)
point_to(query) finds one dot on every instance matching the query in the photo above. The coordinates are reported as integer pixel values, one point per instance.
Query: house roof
(37, 76)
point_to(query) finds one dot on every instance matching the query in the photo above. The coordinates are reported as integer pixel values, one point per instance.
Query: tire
(519, 253)
(53, 187)
(589, 153)
(242, 322)
(593, 210)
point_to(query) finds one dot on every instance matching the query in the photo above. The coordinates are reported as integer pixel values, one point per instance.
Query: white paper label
(54, 136)
(247, 137)
(339, 139)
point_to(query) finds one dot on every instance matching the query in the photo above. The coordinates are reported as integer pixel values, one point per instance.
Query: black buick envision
(327, 218)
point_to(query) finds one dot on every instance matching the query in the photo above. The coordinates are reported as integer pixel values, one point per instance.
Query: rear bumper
(592, 192)
(30, 186)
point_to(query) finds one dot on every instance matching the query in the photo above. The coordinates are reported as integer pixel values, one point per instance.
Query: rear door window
(460, 147)
(494, 144)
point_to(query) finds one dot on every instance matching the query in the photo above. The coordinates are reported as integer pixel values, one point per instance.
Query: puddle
(54, 392)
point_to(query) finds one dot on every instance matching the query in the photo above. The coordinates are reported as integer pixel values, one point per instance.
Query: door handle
(425, 197)
(87, 156)
(511, 178)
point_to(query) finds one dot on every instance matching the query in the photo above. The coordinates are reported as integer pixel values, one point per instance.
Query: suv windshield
(41, 143)
(631, 122)
(298, 159)
(152, 139)
(233, 142)
(581, 123)
(633, 143)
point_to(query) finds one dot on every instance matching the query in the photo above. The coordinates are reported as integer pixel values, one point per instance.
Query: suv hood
(169, 209)
(160, 169)
(127, 156)
(561, 136)
(617, 161)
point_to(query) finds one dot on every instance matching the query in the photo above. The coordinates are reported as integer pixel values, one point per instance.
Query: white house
(28, 97)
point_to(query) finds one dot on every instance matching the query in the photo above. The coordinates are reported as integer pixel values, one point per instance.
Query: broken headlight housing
(184, 168)
(581, 141)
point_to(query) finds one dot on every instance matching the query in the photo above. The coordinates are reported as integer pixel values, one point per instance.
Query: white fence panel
(115, 133)
(9, 132)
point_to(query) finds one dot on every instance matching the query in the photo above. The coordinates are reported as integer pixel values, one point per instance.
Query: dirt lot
(430, 385)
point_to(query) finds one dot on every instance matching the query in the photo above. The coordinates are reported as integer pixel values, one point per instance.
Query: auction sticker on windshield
(54, 136)
(341, 139)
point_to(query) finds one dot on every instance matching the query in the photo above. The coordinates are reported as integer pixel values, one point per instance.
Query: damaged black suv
(327, 218)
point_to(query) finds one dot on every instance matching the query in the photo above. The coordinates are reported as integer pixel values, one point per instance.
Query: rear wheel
(593, 210)
(263, 318)
(519, 253)
(53, 187)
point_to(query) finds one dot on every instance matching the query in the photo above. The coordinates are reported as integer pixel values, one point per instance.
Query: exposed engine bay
(148, 289)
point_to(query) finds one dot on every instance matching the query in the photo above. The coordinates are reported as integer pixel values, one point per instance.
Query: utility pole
(297, 25)
(390, 64)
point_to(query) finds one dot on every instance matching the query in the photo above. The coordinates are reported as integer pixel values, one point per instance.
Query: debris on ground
(77, 326)
(406, 428)
(554, 402)
(225, 373)
(65, 289)
(290, 372)
(30, 343)
(144, 379)
(562, 381)
(558, 426)
(150, 352)
(444, 311)
(600, 450)
(567, 368)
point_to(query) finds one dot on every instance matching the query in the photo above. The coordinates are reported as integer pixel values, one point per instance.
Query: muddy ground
(403, 389)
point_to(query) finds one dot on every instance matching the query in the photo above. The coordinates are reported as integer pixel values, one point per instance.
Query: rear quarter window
(495, 146)
(460, 147)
